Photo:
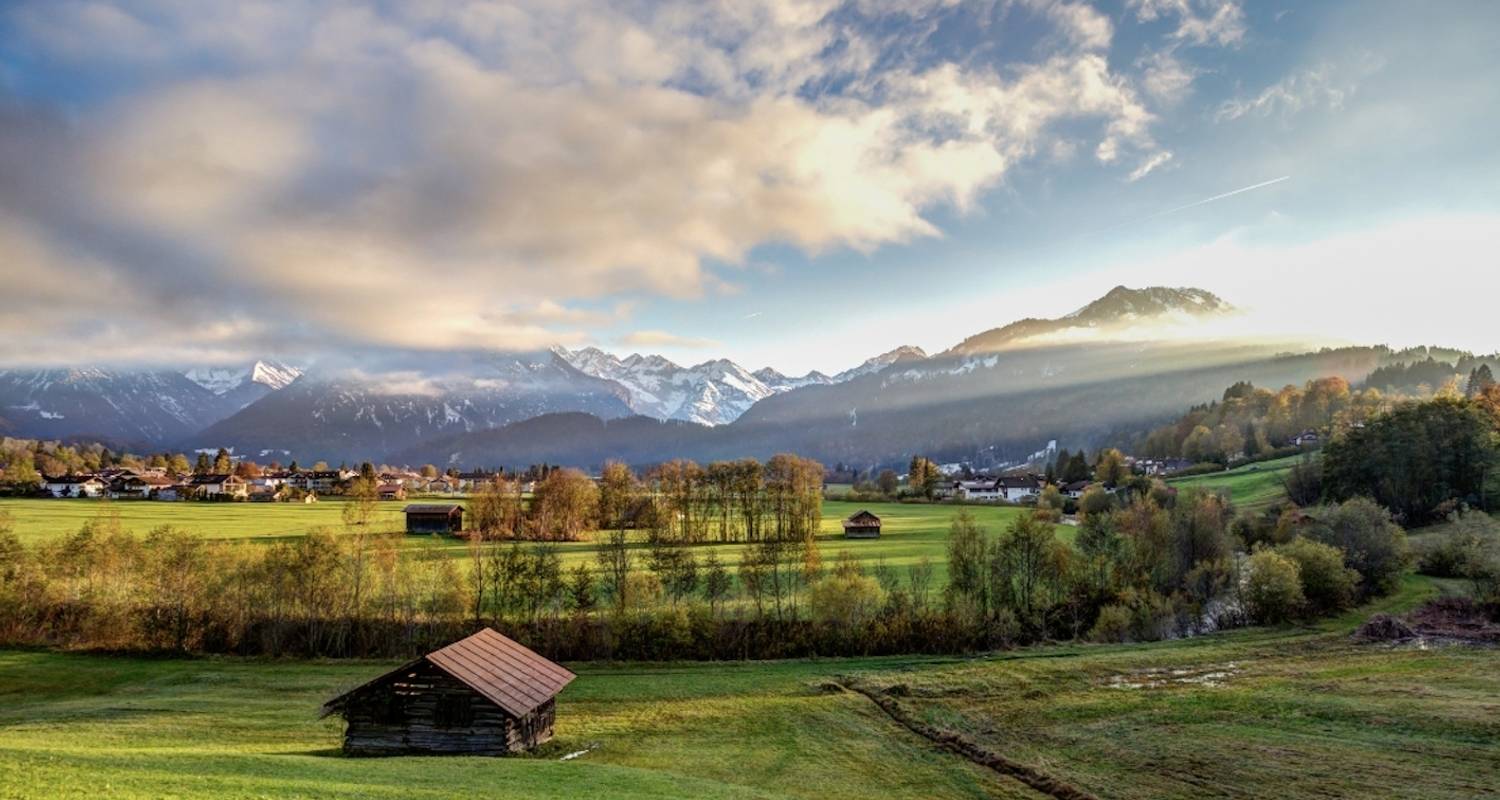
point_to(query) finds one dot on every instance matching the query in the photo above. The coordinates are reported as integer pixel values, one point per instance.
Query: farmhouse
(216, 487)
(75, 486)
(434, 518)
(391, 491)
(1015, 488)
(862, 525)
(136, 487)
(1076, 489)
(484, 695)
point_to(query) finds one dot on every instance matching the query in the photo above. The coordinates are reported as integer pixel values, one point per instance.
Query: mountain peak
(1120, 309)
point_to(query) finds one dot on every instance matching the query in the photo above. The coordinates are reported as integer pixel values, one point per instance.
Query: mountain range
(1075, 378)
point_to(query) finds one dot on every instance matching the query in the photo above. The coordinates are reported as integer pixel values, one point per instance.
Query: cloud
(1199, 22)
(308, 176)
(1323, 86)
(665, 339)
(1149, 165)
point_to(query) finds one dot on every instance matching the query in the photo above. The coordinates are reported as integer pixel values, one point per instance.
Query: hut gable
(485, 695)
(862, 525)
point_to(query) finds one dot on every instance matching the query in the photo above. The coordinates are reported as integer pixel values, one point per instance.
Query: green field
(910, 531)
(1300, 713)
(1251, 487)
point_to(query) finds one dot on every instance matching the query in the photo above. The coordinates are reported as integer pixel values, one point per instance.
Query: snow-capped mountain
(148, 407)
(240, 386)
(904, 353)
(712, 393)
(358, 413)
(222, 380)
(779, 382)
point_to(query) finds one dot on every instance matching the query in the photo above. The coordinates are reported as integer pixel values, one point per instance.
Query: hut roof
(507, 673)
(862, 517)
(432, 508)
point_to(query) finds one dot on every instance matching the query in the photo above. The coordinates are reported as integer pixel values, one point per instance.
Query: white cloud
(1149, 165)
(427, 175)
(1199, 22)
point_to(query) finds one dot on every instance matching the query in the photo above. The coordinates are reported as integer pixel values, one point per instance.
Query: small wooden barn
(483, 695)
(434, 518)
(862, 525)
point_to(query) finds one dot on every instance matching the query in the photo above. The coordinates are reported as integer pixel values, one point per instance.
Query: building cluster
(123, 483)
(1004, 488)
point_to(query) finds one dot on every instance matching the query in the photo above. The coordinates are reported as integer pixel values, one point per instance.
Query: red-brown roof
(507, 673)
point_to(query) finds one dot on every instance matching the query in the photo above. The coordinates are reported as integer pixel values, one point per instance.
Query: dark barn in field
(484, 695)
(434, 518)
(862, 525)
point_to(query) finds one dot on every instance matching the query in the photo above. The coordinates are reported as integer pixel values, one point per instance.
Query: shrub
(847, 599)
(1113, 624)
(1273, 588)
(1473, 539)
(1373, 545)
(1327, 584)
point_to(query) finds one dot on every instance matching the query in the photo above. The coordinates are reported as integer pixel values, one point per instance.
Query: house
(136, 487)
(219, 487)
(174, 492)
(391, 491)
(1076, 489)
(75, 486)
(1017, 488)
(483, 695)
(1307, 438)
(862, 525)
(323, 481)
(982, 490)
(434, 518)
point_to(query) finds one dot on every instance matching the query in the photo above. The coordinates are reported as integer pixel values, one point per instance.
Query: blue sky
(800, 184)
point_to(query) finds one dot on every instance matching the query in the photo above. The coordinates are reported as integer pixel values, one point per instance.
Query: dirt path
(954, 743)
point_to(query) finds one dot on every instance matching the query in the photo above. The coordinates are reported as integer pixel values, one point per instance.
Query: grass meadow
(1251, 487)
(910, 532)
(1291, 713)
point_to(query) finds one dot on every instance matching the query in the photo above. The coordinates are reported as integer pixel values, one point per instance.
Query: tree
(1076, 470)
(204, 466)
(495, 510)
(581, 596)
(223, 463)
(1416, 459)
(1327, 584)
(1110, 470)
(922, 476)
(178, 465)
(429, 471)
(564, 505)
(1480, 378)
(359, 507)
(1373, 545)
(1273, 587)
(967, 554)
(617, 492)
(1304, 482)
(888, 482)
(614, 568)
(716, 581)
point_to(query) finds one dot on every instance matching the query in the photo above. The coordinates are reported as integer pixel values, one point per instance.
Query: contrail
(752, 316)
(1249, 188)
(1204, 202)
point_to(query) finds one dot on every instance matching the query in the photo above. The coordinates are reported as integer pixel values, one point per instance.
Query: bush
(1327, 584)
(847, 599)
(1373, 545)
(1273, 589)
(1113, 624)
(1473, 539)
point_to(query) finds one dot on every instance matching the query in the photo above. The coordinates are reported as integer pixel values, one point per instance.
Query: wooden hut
(434, 518)
(862, 525)
(484, 695)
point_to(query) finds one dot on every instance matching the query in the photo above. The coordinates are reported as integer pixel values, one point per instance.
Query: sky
(793, 183)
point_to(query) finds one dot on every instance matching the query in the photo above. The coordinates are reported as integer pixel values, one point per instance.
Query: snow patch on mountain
(222, 380)
(712, 393)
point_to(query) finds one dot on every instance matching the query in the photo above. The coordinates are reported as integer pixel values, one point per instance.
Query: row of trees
(679, 502)
(1251, 421)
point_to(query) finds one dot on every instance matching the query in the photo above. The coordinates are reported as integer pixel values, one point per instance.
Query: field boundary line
(954, 743)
